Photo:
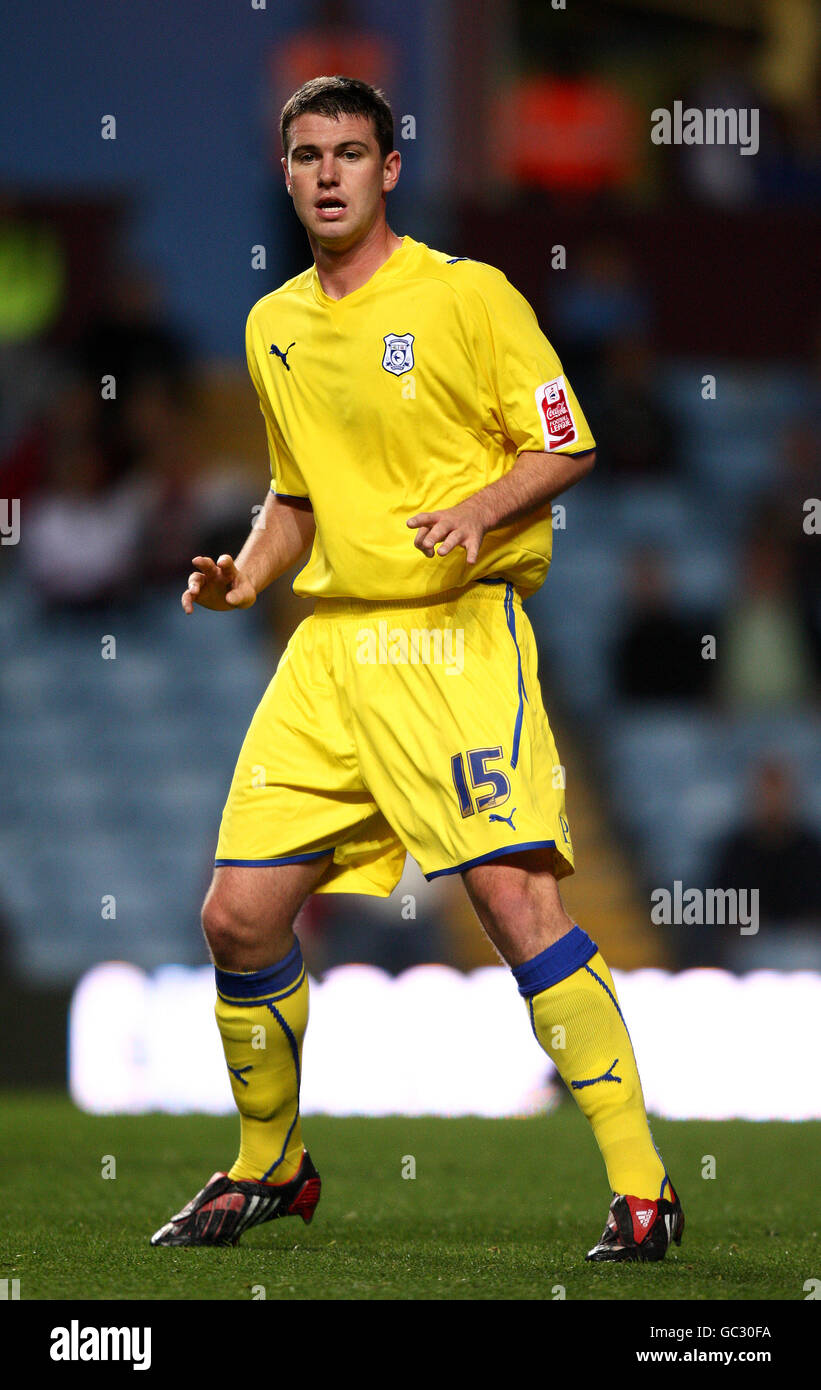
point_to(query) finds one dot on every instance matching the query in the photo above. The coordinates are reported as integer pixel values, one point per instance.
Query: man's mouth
(330, 206)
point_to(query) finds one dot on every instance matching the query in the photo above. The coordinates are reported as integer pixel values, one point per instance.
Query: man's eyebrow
(343, 144)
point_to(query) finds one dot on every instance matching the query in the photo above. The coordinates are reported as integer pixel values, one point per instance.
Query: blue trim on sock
(255, 1002)
(609, 994)
(563, 958)
(613, 1001)
(295, 1054)
(259, 983)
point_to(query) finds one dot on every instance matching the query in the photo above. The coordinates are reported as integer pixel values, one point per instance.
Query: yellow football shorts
(415, 726)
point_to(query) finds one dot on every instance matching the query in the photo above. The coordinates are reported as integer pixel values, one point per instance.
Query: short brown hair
(340, 96)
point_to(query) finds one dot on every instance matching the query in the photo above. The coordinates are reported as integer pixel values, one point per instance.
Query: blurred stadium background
(524, 129)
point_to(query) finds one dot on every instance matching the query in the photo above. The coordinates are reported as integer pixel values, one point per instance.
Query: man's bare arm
(282, 533)
(533, 481)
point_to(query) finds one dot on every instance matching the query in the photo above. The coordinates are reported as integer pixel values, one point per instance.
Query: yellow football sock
(577, 1019)
(262, 1017)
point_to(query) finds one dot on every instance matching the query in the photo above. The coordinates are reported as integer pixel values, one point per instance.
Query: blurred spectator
(158, 427)
(336, 42)
(572, 131)
(30, 373)
(765, 651)
(719, 173)
(79, 543)
(595, 302)
(781, 510)
(129, 340)
(790, 161)
(70, 414)
(773, 851)
(22, 465)
(109, 470)
(658, 654)
(32, 293)
(635, 434)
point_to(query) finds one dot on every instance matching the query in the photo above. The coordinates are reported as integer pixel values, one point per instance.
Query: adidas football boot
(639, 1229)
(226, 1207)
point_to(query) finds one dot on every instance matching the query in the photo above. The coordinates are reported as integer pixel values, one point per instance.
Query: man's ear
(391, 173)
(284, 163)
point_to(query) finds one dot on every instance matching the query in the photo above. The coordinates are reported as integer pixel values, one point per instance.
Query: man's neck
(342, 272)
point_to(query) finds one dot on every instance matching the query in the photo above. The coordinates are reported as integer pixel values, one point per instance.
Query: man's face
(337, 162)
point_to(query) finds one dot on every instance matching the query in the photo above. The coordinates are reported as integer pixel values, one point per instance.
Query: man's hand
(532, 482)
(464, 525)
(219, 586)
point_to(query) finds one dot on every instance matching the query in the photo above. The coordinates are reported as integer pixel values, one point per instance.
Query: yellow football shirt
(408, 395)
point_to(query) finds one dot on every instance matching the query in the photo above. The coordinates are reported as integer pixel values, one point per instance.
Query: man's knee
(510, 890)
(249, 913)
(519, 905)
(229, 927)
(496, 895)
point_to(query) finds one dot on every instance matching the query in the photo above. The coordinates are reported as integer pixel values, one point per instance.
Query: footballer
(419, 425)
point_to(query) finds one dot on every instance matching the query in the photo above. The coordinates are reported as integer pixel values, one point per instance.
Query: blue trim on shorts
(510, 614)
(494, 854)
(511, 622)
(555, 963)
(293, 497)
(272, 863)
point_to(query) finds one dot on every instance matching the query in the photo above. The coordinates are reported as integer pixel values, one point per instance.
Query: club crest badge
(398, 355)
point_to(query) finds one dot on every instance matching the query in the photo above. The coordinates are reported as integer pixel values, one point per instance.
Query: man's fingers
(469, 543)
(439, 536)
(451, 542)
(442, 539)
(206, 565)
(438, 532)
(242, 595)
(217, 585)
(205, 574)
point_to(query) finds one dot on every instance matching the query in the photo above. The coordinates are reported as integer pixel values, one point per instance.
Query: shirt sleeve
(286, 478)
(533, 403)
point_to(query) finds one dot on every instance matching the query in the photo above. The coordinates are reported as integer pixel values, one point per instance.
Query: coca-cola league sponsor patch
(555, 414)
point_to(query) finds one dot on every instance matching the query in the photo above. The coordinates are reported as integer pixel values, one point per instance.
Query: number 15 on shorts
(474, 765)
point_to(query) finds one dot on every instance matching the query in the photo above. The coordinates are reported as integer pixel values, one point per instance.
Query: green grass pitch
(499, 1209)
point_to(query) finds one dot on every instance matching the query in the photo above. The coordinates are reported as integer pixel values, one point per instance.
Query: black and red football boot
(639, 1228)
(226, 1207)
